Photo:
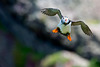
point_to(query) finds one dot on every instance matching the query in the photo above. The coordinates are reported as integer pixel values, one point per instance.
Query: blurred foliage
(21, 54)
(2, 27)
(53, 59)
(94, 63)
(76, 66)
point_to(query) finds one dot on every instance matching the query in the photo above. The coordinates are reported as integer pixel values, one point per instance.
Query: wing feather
(51, 12)
(84, 27)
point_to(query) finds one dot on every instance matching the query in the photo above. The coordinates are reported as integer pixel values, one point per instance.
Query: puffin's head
(64, 20)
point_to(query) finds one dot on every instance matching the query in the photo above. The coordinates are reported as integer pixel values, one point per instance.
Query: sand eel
(64, 26)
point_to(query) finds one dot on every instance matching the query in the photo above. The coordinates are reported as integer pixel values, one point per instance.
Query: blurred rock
(29, 26)
(64, 59)
(6, 49)
(84, 45)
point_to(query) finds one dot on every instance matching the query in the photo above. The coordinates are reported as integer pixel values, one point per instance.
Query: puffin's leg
(69, 37)
(55, 30)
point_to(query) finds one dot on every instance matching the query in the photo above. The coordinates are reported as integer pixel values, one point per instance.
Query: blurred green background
(26, 38)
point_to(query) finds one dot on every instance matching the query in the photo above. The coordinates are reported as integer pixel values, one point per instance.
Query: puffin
(64, 26)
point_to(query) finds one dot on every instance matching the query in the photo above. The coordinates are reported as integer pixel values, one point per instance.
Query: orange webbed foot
(55, 30)
(69, 37)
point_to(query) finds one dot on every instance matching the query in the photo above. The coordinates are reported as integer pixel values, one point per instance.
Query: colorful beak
(65, 19)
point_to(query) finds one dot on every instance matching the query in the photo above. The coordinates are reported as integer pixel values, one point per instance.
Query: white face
(64, 19)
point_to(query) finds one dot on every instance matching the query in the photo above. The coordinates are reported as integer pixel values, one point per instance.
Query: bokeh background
(26, 38)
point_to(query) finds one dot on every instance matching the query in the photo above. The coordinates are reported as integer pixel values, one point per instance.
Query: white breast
(64, 28)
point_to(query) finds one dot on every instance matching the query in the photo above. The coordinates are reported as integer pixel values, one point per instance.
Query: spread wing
(51, 12)
(84, 27)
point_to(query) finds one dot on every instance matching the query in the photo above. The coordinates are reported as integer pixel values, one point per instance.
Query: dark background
(26, 38)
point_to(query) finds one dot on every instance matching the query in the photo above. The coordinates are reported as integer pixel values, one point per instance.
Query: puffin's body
(64, 29)
(64, 26)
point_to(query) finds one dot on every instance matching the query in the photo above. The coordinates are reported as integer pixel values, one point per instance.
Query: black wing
(51, 12)
(84, 27)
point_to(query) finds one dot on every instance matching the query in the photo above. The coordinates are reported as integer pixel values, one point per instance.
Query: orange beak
(65, 19)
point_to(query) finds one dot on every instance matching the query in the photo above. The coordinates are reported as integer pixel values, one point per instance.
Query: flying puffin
(64, 26)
